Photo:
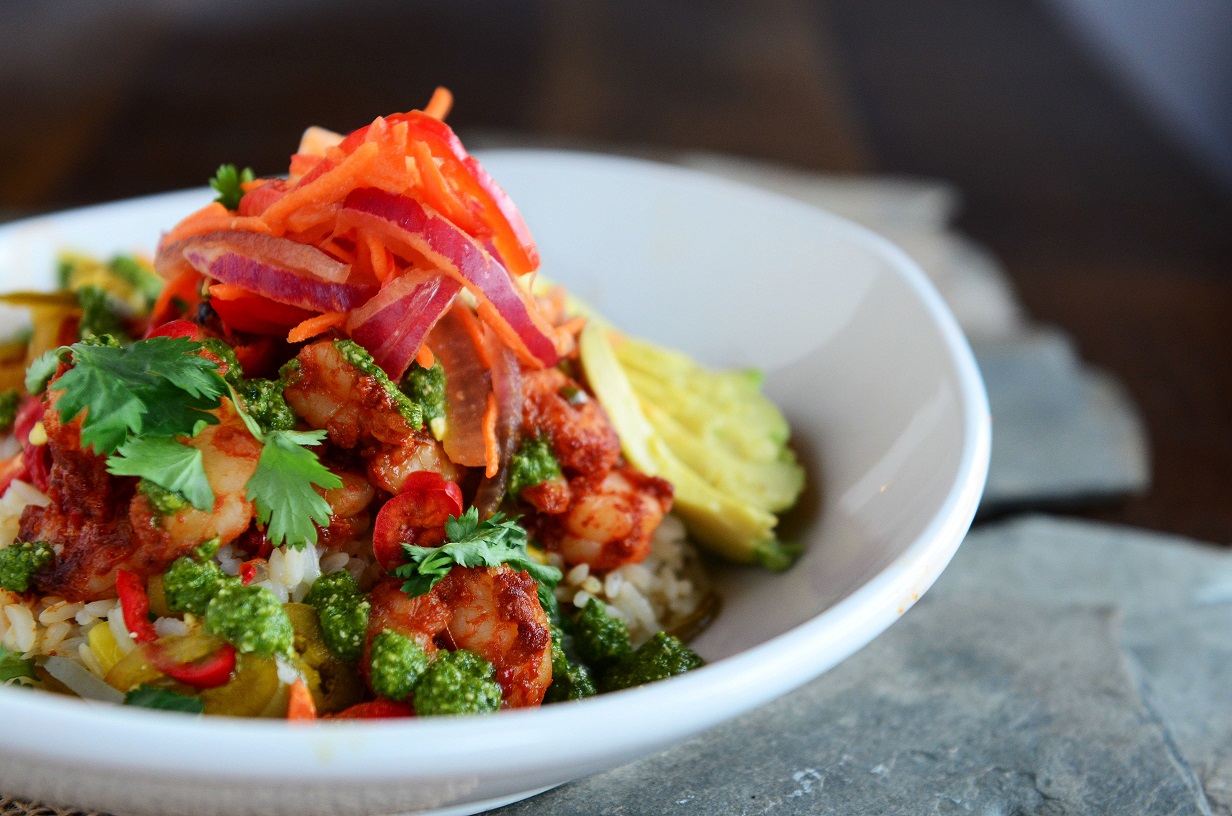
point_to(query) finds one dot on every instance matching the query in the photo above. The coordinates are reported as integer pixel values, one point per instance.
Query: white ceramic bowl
(889, 415)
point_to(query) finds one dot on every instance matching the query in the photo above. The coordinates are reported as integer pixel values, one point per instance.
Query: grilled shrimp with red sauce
(492, 611)
(606, 514)
(98, 523)
(357, 411)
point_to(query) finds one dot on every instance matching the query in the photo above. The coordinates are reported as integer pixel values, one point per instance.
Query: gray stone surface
(967, 705)
(1061, 430)
(1176, 599)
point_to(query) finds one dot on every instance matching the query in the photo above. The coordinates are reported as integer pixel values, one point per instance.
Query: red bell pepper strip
(211, 672)
(248, 571)
(416, 516)
(379, 709)
(301, 706)
(254, 314)
(135, 604)
(36, 459)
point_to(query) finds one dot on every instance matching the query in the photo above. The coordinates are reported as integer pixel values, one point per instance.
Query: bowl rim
(46, 727)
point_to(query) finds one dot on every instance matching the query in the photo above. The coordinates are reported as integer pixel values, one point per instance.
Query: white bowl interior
(877, 382)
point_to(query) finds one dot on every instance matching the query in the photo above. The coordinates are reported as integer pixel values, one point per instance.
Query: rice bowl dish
(868, 367)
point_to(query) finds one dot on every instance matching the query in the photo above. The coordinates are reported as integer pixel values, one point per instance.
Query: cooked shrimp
(358, 412)
(610, 521)
(581, 435)
(229, 454)
(389, 465)
(348, 509)
(333, 395)
(85, 522)
(492, 611)
(97, 525)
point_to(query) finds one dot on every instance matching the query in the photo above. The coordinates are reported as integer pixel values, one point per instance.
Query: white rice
(649, 597)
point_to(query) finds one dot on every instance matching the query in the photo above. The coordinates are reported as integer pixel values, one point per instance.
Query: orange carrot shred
(491, 452)
(315, 325)
(301, 706)
(378, 257)
(438, 189)
(228, 291)
(440, 104)
(211, 218)
(425, 358)
(330, 186)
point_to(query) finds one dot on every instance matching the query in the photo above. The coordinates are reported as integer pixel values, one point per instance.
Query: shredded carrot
(330, 186)
(211, 218)
(378, 256)
(300, 706)
(228, 291)
(315, 325)
(425, 358)
(440, 104)
(437, 190)
(491, 453)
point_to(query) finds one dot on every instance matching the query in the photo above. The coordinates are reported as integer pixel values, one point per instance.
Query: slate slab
(1062, 431)
(1176, 599)
(967, 705)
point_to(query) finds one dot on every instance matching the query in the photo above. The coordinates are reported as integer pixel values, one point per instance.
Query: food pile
(339, 452)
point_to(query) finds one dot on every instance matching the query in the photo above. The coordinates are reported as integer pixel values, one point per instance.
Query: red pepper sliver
(212, 672)
(248, 571)
(135, 605)
(379, 709)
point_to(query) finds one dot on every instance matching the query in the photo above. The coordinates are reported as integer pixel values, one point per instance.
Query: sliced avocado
(731, 527)
(721, 408)
(770, 486)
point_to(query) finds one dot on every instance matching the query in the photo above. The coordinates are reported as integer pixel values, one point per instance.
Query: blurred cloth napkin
(1063, 431)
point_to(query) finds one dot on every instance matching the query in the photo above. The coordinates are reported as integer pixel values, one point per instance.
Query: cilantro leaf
(171, 465)
(160, 382)
(15, 669)
(282, 487)
(473, 543)
(42, 370)
(228, 181)
(163, 700)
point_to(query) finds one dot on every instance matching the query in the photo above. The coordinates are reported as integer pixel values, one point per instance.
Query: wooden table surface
(1107, 228)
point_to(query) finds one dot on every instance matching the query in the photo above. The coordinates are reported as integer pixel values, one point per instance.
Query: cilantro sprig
(472, 543)
(282, 488)
(228, 183)
(15, 669)
(160, 699)
(157, 387)
(137, 403)
(171, 465)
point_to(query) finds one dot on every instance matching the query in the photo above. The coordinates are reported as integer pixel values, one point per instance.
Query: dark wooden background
(1108, 229)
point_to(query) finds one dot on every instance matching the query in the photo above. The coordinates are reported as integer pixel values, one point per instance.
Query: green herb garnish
(15, 669)
(228, 183)
(164, 700)
(472, 543)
